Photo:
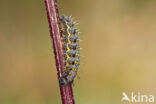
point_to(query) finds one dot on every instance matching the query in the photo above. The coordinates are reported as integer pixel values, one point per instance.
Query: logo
(137, 98)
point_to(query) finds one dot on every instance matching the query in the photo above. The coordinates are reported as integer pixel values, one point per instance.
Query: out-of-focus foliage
(119, 45)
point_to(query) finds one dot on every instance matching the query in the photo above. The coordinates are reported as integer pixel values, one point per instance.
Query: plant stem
(56, 36)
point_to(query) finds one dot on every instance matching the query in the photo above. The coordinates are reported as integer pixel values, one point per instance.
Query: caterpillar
(71, 51)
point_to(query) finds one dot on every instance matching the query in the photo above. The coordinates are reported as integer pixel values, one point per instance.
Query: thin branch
(56, 36)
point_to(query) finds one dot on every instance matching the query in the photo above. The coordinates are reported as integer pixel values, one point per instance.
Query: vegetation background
(119, 48)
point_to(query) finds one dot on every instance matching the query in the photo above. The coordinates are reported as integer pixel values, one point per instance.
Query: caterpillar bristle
(78, 77)
(78, 30)
(70, 16)
(82, 56)
(76, 24)
(82, 64)
(81, 48)
(80, 40)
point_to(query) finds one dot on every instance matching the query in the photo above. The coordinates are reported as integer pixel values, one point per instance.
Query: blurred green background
(119, 48)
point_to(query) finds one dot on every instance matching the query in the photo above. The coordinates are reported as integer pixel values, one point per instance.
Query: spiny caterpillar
(71, 51)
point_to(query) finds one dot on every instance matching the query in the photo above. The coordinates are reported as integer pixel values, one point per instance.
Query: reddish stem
(56, 36)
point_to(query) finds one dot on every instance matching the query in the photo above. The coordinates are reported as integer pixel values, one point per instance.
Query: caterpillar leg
(71, 76)
(63, 81)
(68, 79)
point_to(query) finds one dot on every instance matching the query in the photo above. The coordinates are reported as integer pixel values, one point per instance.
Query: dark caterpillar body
(71, 50)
